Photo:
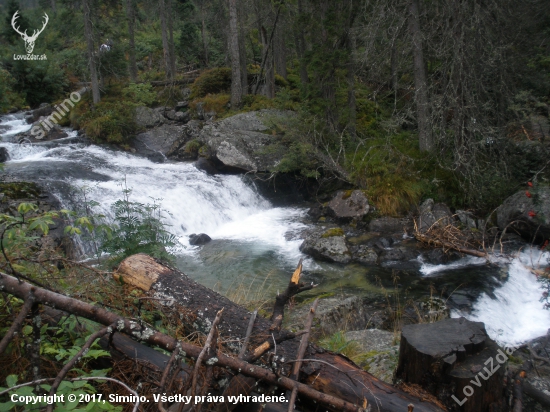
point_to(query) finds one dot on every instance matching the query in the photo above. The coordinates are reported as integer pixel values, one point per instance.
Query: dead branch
(301, 352)
(248, 333)
(16, 325)
(448, 245)
(165, 374)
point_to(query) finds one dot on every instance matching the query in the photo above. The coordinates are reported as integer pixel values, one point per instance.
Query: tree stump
(456, 361)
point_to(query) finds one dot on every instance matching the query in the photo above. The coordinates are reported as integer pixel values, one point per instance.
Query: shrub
(141, 93)
(212, 81)
(109, 121)
(139, 228)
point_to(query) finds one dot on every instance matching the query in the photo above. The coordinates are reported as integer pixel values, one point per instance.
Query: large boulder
(349, 204)
(146, 117)
(244, 142)
(200, 239)
(165, 140)
(329, 246)
(529, 216)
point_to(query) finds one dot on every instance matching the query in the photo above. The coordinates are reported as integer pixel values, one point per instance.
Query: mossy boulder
(347, 205)
(329, 248)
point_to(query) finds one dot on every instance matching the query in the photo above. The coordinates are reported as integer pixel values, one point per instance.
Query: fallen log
(15, 287)
(343, 379)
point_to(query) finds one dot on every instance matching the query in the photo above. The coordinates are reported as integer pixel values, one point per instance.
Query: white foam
(16, 123)
(428, 269)
(517, 314)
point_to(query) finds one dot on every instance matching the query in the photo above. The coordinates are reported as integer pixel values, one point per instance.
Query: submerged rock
(200, 239)
(4, 155)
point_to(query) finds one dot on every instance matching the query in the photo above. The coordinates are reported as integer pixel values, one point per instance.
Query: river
(255, 245)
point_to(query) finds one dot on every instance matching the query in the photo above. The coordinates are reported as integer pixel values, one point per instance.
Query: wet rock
(517, 211)
(342, 313)
(389, 225)
(327, 246)
(349, 205)
(166, 139)
(146, 117)
(365, 255)
(4, 155)
(206, 165)
(156, 157)
(439, 256)
(44, 109)
(398, 254)
(434, 213)
(200, 239)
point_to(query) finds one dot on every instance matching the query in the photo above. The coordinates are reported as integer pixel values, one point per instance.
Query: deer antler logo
(29, 40)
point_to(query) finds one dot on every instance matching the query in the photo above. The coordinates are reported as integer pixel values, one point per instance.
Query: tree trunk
(203, 35)
(279, 48)
(165, 45)
(420, 83)
(236, 79)
(171, 47)
(242, 52)
(269, 70)
(301, 46)
(455, 361)
(131, 16)
(91, 51)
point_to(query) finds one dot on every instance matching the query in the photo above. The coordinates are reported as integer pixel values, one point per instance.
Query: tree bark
(454, 358)
(236, 79)
(203, 34)
(171, 47)
(421, 86)
(301, 46)
(88, 31)
(165, 45)
(131, 16)
(242, 52)
(279, 48)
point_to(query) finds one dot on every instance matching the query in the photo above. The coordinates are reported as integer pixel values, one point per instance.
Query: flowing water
(255, 245)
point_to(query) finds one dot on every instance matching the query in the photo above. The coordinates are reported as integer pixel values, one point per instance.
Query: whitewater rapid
(253, 242)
